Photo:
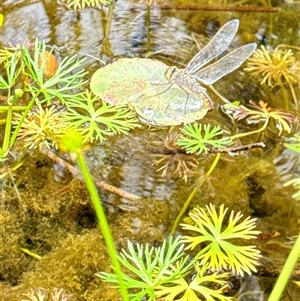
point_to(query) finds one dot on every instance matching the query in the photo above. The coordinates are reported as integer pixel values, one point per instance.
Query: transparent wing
(215, 47)
(227, 64)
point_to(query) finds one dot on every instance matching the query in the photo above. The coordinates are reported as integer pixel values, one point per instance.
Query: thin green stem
(252, 132)
(5, 146)
(102, 222)
(214, 164)
(17, 129)
(192, 194)
(14, 108)
(32, 254)
(294, 96)
(286, 272)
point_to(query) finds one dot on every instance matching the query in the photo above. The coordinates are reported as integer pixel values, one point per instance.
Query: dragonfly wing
(227, 64)
(215, 47)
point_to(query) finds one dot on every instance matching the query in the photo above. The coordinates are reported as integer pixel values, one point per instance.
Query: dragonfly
(182, 97)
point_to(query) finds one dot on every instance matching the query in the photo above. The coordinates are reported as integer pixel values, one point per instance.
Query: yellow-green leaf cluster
(219, 253)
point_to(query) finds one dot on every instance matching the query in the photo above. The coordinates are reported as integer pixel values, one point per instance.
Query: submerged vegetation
(81, 4)
(162, 272)
(47, 108)
(276, 68)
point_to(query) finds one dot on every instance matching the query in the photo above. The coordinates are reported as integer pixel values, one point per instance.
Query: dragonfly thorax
(169, 73)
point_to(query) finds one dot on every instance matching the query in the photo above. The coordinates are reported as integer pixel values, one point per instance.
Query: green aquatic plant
(275, 68)
(25, 69)
(81, 4)
(95, 119)
(286, 272)
(168, 272)
(151, 267)
(42, 295)
(294, 145)
(257, 113)
(41, 127)
(12, 70)
(171, 158)
(203, 286)
(197, 138)
(72, 142)
(219, 253)
(67, 78)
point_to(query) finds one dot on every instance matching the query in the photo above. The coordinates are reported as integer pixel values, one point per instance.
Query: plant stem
(14, 108)
(17, 129)
(99, 183)
(107, 27)
(102, 222)
(34, 255)
(5, 147)
(189, 199)
(252, 132)
(286, 272)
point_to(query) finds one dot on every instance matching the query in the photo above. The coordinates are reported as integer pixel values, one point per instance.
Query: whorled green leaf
(220, 253)
(95, 119)
(150, 267)
(197, 138)
(67, 78)
(203, 286)
(81, 4)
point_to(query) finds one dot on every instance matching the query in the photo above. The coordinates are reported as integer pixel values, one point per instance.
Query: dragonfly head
(170, 72)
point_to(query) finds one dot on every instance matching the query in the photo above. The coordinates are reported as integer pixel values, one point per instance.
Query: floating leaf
(141, 83)
(117, 83)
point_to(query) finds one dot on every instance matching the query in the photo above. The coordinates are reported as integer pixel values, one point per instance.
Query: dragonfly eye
(169, 72)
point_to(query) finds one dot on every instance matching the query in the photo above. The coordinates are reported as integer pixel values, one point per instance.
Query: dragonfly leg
(154, 91)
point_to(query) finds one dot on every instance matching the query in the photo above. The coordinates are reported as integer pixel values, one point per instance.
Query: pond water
(46, 210)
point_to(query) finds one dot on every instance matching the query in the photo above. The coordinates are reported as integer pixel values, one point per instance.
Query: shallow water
(47, 211)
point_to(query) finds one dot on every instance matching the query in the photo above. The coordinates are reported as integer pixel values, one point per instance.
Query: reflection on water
(82, 31)
(250, 183)
(25, 22)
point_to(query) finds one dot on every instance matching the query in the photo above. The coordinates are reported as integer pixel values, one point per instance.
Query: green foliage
(163, 272)
(73, 144)
(219, 253)
(25, 69)
(62, 84)
(260, 113)
(286, 272)
(152, 267)
(295, 182)
(41, 295)
(81, 4)
(294, 145)
(196, 288)
(12, 71)
(41, 127)
(195, 141)
(94, 119)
